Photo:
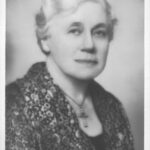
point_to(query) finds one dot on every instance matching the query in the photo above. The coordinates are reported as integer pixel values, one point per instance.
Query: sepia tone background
(124, 72)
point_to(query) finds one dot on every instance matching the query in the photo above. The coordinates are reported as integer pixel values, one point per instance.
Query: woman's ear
(45, 46)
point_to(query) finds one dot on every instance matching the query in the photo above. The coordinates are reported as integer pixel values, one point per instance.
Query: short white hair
(50, 8)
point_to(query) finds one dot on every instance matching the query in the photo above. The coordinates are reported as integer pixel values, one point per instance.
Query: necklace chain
(82, 113)
(79, 105)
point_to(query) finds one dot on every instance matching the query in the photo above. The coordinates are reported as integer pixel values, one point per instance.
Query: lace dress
(39, 117)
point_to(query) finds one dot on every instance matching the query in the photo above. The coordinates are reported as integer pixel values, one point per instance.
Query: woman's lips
(86, 61)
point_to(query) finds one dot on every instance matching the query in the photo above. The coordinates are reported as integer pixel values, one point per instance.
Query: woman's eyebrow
(100, 25)
(75, 24)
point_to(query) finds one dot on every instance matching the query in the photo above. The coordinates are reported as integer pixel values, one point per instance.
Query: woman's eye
(75, 31)
(100, 34)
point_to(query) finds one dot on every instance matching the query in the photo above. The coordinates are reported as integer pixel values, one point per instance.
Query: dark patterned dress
(39, 117)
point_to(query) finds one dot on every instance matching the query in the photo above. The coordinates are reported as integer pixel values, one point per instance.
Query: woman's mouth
(86, 61)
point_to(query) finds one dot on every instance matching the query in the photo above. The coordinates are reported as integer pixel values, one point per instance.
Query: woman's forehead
(87, 13)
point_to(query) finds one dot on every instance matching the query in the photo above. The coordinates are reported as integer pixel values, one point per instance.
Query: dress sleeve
(120, 134)
(19, 132)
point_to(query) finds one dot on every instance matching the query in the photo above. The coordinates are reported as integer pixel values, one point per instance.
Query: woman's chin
(86, 75)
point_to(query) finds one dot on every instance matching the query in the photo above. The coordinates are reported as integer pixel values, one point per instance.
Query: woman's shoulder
(114, 119)
(34, 89)
(108, 104)
(31, 77)
(14, 92)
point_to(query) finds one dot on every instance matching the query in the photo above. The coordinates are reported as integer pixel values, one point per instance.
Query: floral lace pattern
(39, 117)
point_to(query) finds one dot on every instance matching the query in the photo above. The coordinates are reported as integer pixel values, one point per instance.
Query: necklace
(82, 114)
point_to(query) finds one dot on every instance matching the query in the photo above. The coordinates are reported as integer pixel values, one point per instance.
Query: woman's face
(79, 41)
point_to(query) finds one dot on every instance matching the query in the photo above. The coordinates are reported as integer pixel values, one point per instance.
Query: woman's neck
(75, 88)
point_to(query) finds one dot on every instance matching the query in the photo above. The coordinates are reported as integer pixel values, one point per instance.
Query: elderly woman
(57, 105)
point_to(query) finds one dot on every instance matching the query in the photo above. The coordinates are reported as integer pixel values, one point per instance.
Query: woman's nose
(88, 44)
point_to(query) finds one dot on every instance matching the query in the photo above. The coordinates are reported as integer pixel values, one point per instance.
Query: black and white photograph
(74, 75)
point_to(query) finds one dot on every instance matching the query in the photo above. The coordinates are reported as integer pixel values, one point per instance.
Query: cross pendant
(82, 114)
